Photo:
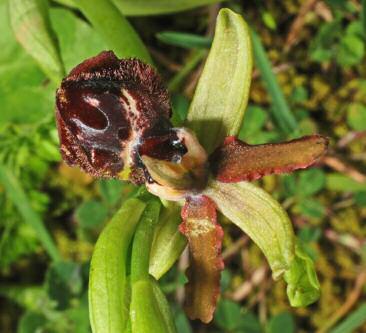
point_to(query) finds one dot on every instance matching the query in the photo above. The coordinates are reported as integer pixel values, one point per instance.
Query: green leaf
(230, 317)
(16, 194)
(157, 7)
(303, 287)
(114, 29)
(360, 199)
(254, 119)
(91, 214)
(221, 96)
(31, 322)
(25, 296)
(78, 40)
(363, 18)
(282, 323)
(261, 217)
(108, 285)
(193, 60)
(310, 234)
(17, 240)
(181, 322)
(63, 282)
(180, 105)
(149, 310)
(342, 183)
(310, 182)
(69, 3)
(185, 40)
(356, 116)
(168, 243)
(111, 190)
(311, 208)
(163, 306)
(354, 320)
(24, 96)
(142, 242)
(281, 110)
(351, 50)
(32, 27)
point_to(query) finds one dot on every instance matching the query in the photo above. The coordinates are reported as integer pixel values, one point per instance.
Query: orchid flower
(113, 117)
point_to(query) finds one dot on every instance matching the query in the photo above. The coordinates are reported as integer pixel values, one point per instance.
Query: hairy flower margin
(113, 118)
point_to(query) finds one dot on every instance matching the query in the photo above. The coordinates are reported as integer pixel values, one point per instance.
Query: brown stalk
(235, 247)
(298, 24)
(351, 300)
(340, 166)
(245, 288)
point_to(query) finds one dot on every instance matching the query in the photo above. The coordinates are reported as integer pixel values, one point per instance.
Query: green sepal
(108, 283)
(261, 217)
(303, 285)
(221, 96)
(157, 7)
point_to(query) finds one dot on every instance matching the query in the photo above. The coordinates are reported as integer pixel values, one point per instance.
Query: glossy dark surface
(105, 106)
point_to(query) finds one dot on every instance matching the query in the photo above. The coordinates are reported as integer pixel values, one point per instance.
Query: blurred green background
(316, 50)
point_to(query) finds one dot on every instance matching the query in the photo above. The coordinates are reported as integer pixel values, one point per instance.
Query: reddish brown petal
(204, 235)
(236, 161)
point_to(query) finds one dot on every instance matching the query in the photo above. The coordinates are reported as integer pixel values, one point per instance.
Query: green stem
(281, 110)
(142, 243)
(192, 62)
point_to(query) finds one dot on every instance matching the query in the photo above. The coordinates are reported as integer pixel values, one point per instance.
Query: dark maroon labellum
(107, 110)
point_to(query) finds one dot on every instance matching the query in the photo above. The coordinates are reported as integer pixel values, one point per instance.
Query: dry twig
(234, 247)
(351, 300)
(298, 24)
(340, 166)
(245, 288)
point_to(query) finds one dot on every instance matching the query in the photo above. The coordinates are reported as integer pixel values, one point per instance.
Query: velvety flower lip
(106, 107)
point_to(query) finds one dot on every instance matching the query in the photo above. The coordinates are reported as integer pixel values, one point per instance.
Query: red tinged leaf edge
(204, 236)
(237, 161)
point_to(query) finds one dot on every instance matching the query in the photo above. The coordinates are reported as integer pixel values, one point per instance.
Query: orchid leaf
(158, 7)
(114, 28)
(237, 161)
(221, 96)
(149, 310)
(303, 285)
(168, 243)
(204, 236)
(32, 28)
(261, 217)
(108, 284)
(185, 40)
(143, 238)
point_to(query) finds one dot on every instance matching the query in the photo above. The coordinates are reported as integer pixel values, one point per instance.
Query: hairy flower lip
(104, 108)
